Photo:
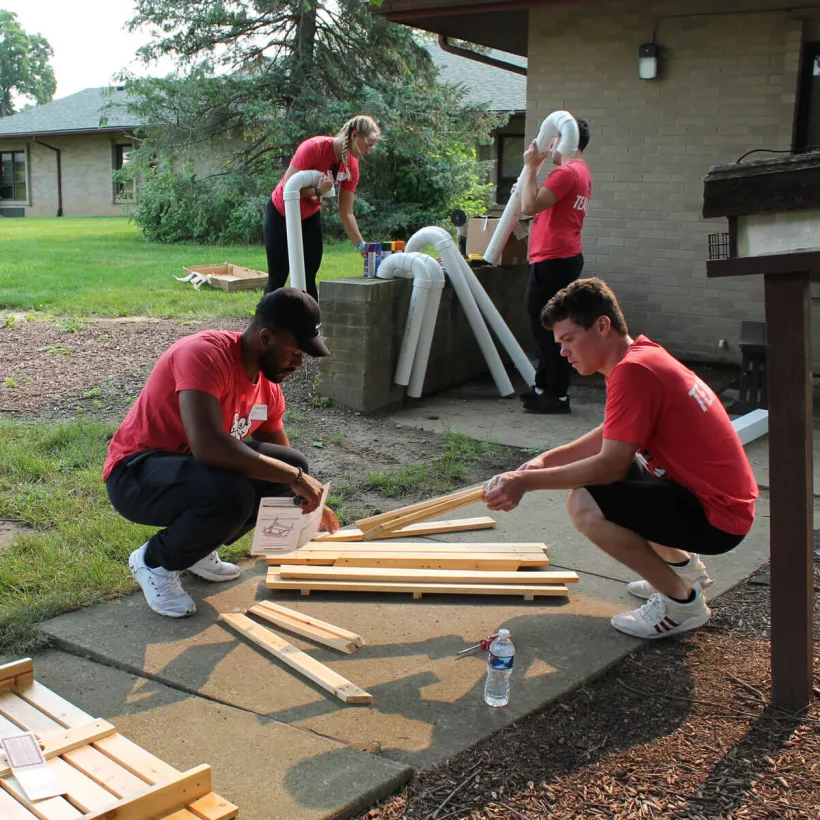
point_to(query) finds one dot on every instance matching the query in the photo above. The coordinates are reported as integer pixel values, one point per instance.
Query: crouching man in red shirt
(205, 442)
(664, 475)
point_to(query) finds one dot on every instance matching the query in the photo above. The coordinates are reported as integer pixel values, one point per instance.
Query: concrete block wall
(727, 85)
(364, 319)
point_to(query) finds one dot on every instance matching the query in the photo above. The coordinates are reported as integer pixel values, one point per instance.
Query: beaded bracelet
(297, 479)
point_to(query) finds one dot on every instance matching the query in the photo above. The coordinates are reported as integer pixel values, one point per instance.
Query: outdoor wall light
(648, 57)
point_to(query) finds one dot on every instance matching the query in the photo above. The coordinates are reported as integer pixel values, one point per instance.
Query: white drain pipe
(558, 124)
(293, 223)
(443, 243)
(428, 282)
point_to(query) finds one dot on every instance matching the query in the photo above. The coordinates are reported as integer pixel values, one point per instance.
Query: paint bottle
(372, 259)
(387, 249)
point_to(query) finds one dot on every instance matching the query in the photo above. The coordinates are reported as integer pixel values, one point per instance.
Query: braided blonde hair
(366, 126)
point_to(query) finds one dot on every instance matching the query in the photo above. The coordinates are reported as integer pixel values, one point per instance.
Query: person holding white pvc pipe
(338, 158)
(556, 259)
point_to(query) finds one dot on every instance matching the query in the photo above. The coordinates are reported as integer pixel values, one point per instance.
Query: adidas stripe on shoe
(661, 617)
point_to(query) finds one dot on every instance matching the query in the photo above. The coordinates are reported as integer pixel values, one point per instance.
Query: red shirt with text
(210, 362)
(682, 432)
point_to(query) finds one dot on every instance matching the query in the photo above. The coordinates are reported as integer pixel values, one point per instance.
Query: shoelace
(654, 609)
(168, 583)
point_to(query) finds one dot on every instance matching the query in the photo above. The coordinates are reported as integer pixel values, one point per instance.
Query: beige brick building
(733, 76)
(58, 159)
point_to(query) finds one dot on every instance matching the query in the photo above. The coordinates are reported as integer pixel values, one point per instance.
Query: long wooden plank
(29, 717)
(161, 800)
(482, 522)
(320, 674)
(417, 590)
(53, 705)
(332, 629)
(444, 506)
(12, 809)
(432, 560)
(135, 759)
(7, 727)
(61, 742)
(213, 807)
(182, 814)
(365, 524)
(306, 630)
(426, 576)
(52, 808)
(105, 772)
(82, 791)
(417, 546)
(16, 673)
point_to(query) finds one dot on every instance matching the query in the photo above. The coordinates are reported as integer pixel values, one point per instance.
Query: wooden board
(426, 576)
(16, 673)
(11, 809)
(311, 628)
(432, 560)
(135, 759)
(52, 705)
(312, 669)
(12, 706)
(365, 524)
(538, 547)
(422, 528)
(274, 581)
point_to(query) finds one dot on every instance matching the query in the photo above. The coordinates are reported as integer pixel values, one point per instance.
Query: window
(807, 126)
(510, 163)
(13, 175)
(123, 189)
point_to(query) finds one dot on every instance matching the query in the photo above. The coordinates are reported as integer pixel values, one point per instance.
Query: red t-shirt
(556, 231)
(318, 154)
(211, 362)
(682, 432)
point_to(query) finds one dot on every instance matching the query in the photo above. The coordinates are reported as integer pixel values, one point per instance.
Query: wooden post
(791, 439)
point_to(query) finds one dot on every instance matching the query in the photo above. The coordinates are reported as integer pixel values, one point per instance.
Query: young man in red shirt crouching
(664, 475)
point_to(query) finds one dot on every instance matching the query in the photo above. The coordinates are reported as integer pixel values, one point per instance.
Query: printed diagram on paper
(281, 526)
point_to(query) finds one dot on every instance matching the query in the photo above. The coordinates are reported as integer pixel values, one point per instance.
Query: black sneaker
(547, 404)
(528, 394)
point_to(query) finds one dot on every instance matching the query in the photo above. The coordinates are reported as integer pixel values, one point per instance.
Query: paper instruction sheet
(29, 766)
(281, 526)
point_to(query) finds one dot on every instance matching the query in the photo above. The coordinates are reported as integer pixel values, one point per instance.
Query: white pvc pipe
(497, 323)
(443, 243)
(559, 124)
(293, 223)
(428, 282)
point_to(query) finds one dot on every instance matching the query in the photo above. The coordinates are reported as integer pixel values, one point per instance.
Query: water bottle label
(500, 663)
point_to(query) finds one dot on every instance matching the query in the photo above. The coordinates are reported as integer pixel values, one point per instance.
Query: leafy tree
(262, 75)
(24, 67)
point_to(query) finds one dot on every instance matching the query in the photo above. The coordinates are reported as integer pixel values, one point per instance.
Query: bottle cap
(503, 633)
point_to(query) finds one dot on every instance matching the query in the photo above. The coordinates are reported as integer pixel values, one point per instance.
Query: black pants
(545, 280)
(276, 248)
(200, 507)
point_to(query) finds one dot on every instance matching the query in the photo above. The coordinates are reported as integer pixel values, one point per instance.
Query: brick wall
(364, 321)
(727, 85)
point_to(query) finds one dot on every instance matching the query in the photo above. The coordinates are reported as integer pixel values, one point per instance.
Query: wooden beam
(365, 524)
(274, 581)
(59, 743)
(432, 560)
(779, 264)
(422, 528)
(751, 426)
(307, 627)
(426, 576)
(16, 673)
(791, 437)
(320, 674)
(160, 800)
(423, 546)
(213, 807)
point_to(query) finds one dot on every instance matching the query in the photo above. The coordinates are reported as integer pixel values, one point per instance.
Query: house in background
(730, 78)
(58, 159)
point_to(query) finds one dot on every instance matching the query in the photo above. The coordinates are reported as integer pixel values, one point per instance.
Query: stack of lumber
(105, 775)
(307, 627)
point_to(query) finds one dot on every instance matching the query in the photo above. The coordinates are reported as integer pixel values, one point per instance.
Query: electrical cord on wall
(767, 150)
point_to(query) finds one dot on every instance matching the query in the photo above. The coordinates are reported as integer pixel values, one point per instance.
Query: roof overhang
(27, 135)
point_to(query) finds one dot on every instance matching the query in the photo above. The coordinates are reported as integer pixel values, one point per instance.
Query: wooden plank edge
(332, 629)
(213, 807)
(427, 576)
(17, 673)
(365, 524)
(423, 528)
(304, 631)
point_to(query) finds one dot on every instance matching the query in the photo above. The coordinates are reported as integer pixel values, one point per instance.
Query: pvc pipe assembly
(452, 259)
(560, 125)
(293, 223)
(428, 282)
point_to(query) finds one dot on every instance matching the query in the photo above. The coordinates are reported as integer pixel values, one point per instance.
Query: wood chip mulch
(682, 729)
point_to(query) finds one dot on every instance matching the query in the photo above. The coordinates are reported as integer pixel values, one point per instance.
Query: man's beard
(271, 373)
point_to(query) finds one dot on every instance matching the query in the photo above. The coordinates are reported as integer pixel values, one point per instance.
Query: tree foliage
(262, 75)
(24, 67)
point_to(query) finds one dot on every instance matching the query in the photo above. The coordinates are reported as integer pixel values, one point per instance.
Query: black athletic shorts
(661, 511)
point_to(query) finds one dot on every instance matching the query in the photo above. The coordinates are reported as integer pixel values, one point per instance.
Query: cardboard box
(481, 229)
(226, 277)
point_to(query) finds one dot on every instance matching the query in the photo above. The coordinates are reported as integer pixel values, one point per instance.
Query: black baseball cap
(294, 310)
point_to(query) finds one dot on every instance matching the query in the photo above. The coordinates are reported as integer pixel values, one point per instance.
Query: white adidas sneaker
(661, 617)
(213, 568)
(693, 572)
(162, 587)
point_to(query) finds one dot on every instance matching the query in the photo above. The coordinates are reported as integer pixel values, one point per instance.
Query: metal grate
(719, 246)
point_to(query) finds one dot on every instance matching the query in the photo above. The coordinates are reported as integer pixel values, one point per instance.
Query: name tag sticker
(259, 412)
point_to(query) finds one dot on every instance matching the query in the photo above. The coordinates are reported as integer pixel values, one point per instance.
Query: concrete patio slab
(272, 771)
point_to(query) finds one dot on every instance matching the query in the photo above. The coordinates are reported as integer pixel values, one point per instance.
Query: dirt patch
(9, 530)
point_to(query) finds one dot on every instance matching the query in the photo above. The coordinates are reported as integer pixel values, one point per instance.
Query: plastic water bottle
(499, 668)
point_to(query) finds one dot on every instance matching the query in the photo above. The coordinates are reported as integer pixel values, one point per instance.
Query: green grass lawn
(103, 267)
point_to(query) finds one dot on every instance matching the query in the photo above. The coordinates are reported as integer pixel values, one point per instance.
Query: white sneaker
(162, 588)
(213, 568)
(661, 617)
(693, 572)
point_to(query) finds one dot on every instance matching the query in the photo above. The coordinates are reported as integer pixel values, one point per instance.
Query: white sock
(562, 398)
(539, 391)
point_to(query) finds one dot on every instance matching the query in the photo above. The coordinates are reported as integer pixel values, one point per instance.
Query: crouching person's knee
(583, 512)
